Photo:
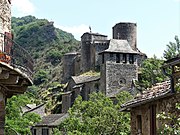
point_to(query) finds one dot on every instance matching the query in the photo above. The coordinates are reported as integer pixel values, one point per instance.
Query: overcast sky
(158, 21)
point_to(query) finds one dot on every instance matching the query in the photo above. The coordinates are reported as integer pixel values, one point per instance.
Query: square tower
(118, 67)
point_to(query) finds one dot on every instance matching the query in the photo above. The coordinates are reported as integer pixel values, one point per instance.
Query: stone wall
(126, 31)
(66, 102)
(99, 47)
(162, 105)
(89, 51)
(5, 20)
(69, 66)
(115, 76)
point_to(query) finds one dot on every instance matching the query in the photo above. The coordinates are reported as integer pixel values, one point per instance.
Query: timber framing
(12, 80)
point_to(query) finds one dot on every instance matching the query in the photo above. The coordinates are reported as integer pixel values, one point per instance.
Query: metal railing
(18, 57)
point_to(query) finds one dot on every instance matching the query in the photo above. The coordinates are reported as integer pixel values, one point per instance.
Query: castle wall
(119, 75)
(88, 50)
(69, 66)
(126, 31)
(5, 20)
(99, 47)
(115, 76)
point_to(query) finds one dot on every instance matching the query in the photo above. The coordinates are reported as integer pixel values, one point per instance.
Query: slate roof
(52, 120)
(84, 78)
(96, 34)
(160, 90)
(34, 108)
(120, 46)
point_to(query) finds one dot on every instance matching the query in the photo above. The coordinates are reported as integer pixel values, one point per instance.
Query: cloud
(23, 7)
(77, 31)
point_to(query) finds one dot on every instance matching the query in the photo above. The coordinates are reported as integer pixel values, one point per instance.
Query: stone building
(71, 65)
(160, 98)
(32, 108)
(116, 59)
(15, 76)
(79, 85)
(48, 123)
(91, 44)
(118, 68)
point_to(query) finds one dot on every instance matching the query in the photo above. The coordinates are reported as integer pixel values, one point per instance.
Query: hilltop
(46, 44)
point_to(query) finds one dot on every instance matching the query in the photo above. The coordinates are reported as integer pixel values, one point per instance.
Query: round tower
(126, 31)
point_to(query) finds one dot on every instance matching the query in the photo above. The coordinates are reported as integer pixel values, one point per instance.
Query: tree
(170, 121)
(173, 49)
(151, 72)
(97, 116)
(17, 121)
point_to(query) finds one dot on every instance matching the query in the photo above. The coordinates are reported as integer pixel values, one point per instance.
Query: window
(139, 124)
(124, 58)
(117, 58)
(103, 58)
(34, 132)
(131, 59)
(153, 120)
(45, 131)
(111, 56)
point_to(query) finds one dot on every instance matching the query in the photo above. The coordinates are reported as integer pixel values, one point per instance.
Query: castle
(117, 60)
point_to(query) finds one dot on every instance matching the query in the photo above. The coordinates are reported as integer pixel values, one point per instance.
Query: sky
(158, 21)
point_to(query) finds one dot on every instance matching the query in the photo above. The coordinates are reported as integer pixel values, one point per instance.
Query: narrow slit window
(124, 58)
(117, 58)
(131, 59)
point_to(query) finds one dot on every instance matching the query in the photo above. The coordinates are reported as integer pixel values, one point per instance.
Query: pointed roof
(120, 46)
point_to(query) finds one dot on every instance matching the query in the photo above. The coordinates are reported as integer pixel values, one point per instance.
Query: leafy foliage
(15, 120)
(97, 116)
(173, 49)
(151, 72)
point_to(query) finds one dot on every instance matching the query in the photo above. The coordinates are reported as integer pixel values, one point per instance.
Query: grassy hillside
(47, 45)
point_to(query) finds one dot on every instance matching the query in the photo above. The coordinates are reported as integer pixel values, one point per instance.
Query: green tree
(170, 121)
(173, 49)
(151, 72)
(97, 116)
(17, 121)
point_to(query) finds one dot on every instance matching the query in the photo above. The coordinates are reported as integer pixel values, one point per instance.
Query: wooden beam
(13, 79)
(17, 89)
(4, 75)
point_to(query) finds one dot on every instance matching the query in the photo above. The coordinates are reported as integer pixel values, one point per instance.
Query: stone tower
(126, 31)
(88, 52)
(71, 65)
(118, 68)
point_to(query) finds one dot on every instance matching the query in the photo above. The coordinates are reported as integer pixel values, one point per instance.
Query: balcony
(16, 56)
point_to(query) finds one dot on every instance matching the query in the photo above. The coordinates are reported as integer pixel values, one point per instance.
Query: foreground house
(160, 98)
(16, 64)
(48, 123)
